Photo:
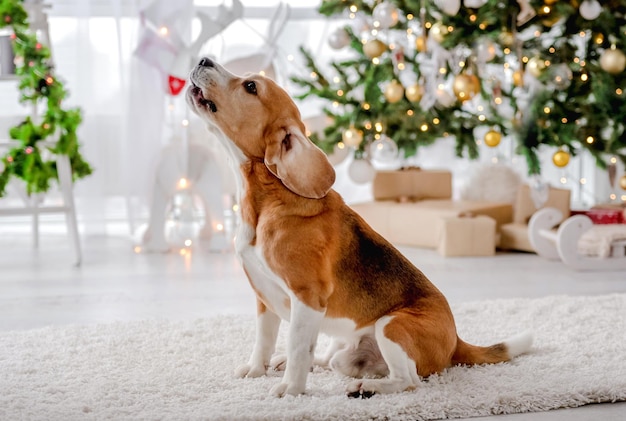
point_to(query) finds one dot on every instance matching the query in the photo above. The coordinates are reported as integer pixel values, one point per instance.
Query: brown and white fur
(314, 262)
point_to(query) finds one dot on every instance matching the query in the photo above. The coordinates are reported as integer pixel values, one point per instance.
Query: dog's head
(263, 122)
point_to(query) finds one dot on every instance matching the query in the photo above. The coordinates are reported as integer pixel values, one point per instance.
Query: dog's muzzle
(195, 91)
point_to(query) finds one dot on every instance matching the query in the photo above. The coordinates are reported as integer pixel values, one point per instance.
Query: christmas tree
(29, 159)
(546, 72)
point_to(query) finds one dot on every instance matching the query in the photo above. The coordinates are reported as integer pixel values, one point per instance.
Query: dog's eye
(250, 87)
(287, 142)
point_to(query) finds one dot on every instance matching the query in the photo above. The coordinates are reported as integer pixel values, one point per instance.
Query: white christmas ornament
(561, 76)
(474, 4)
(340, 152)
(449, 7)
(361, 171)
(384, 150)
(338, 39)
(590, 9)
(386, 14)
(485, 50)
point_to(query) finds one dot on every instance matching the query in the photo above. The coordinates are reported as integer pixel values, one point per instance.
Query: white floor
(42, 287)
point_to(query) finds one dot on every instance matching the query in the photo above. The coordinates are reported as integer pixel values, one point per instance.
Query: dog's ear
(301, 166)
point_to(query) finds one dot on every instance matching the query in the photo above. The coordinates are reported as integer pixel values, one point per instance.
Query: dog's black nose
(206, 62)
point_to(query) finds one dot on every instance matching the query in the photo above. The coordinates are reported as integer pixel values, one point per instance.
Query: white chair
(32, 203)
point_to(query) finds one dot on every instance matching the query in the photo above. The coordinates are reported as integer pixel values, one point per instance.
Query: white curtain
(124, 102)
(92, 55)
(128, 117)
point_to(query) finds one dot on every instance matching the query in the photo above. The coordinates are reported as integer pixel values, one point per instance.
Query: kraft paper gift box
(467, 236)
(412, 184)
(411, 203)
(417, 223)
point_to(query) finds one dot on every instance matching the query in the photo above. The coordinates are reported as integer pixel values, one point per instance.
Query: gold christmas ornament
(535, 66)
(492, 138)
(613, 61)
(506, 38)
(560, 158)
(420, 44)
(622, 182)
(374, 48)
(518, 78)
(414, 92)
(465, 86)
(438, 31)
(352, 137)
(394, 91)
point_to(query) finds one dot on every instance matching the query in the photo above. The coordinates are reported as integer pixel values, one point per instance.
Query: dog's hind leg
(362, 359)
(402, 369)
(335, 346)
(279, 361)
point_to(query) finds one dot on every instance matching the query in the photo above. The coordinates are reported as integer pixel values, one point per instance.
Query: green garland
(38, 84)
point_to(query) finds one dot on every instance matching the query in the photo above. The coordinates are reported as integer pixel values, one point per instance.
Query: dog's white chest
(269, 286)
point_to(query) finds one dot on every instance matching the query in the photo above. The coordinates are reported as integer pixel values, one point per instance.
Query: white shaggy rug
(183, 370)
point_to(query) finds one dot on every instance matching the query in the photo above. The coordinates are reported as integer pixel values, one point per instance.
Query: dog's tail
(504, 351)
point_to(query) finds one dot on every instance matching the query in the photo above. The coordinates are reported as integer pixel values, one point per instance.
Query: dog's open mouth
(200, 99)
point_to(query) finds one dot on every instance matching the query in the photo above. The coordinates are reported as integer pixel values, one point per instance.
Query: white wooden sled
(563, 243)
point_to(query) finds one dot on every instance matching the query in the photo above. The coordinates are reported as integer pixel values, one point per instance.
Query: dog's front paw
(248, 370)
(284, 389)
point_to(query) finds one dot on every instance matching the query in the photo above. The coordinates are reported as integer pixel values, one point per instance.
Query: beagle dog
(313, 262)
